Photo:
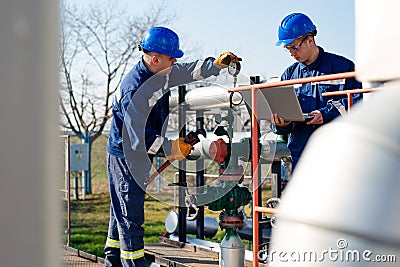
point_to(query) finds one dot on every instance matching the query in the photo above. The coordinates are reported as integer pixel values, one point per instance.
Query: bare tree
(96, 46)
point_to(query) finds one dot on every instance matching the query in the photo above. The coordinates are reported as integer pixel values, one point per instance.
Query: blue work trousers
(125, 245)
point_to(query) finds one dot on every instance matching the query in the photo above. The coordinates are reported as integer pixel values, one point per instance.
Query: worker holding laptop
(296, 34)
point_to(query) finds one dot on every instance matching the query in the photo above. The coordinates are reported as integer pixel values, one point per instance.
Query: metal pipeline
(210, 225)
(204, 98)
(271, 147)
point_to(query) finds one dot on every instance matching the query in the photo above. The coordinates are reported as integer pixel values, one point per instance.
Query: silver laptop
(281, 100)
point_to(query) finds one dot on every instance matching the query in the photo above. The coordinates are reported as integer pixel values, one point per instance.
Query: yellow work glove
(225, 59)
(179, 149)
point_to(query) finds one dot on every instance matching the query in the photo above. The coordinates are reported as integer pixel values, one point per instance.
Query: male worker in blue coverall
(296, 33)
(136, 135)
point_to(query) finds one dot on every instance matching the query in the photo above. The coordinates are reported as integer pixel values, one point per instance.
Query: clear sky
(249, 28)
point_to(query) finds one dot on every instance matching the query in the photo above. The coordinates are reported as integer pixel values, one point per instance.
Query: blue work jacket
(310, 96)
(141, 113)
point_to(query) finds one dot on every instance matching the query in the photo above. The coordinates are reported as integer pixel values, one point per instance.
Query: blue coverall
(136, 134)
(310, 97)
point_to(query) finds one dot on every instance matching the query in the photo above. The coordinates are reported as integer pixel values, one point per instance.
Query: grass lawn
(89, 217)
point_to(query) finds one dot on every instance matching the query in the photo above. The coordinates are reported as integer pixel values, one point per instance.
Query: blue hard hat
(162, 40)
(294, 26)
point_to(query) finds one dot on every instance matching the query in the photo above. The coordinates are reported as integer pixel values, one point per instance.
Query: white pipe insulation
(204, 98)
(341, 207)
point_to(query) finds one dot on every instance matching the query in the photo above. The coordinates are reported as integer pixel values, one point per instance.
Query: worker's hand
(225, 59)
(318, 118)
(279, 121)
(179, 149)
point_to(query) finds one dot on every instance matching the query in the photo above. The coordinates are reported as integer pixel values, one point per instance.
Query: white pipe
(344, 196)
(206, 98)
(375, 60)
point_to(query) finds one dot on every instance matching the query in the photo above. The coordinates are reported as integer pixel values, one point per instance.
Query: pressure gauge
(234, 68)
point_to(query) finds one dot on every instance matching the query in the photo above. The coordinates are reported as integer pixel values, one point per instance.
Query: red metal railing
(254, 137)
(349, 94)
(328, 77)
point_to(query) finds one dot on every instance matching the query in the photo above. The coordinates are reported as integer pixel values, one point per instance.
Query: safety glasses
(293, 48)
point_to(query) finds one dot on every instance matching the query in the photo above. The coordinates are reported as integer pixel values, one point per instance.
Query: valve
(234, 69)
(190, 202)
(273, 203)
